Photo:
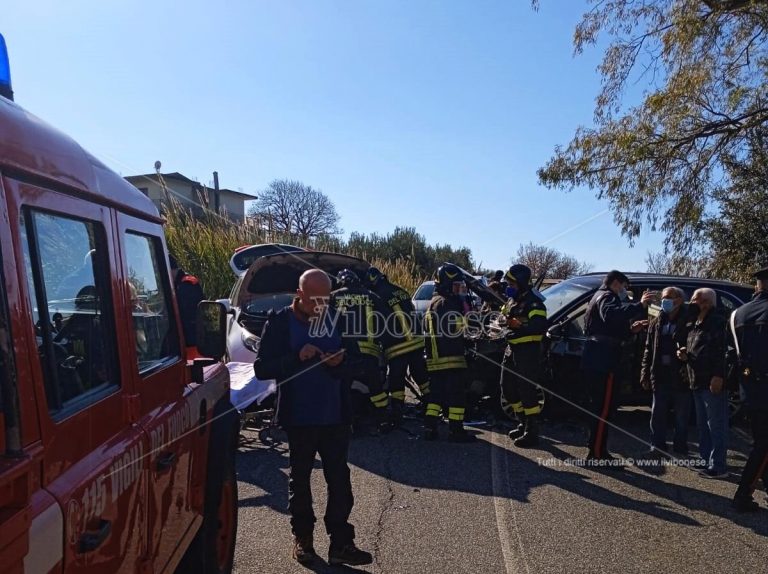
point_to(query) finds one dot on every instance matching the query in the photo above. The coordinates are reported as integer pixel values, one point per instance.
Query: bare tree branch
(296, 210)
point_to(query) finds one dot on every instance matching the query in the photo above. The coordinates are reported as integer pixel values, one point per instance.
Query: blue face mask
(667, 305)
(623, 294)
(511, 292)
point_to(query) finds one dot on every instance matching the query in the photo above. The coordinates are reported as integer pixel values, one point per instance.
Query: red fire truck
(117, 454)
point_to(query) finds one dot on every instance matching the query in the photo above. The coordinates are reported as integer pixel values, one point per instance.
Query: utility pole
(161, 181)
(216, 203)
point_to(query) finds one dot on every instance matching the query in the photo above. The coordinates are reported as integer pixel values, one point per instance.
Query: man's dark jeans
(669, 394)
(712, 420)
(332, 444)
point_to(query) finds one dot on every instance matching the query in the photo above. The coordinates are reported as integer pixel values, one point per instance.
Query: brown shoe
(303, 550)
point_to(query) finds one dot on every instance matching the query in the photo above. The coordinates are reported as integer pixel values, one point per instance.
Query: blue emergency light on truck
(5, 71)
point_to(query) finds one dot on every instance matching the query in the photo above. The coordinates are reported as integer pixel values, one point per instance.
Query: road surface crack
(386, 507)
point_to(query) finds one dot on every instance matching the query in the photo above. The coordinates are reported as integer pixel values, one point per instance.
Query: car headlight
(250, 341)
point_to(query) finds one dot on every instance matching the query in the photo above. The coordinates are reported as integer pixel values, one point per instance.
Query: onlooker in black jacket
(665, 374)
(749, 325)
(303, 352)
(704, 354)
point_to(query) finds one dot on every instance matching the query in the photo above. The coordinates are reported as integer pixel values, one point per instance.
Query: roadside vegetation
(288, 211)
(203, 247)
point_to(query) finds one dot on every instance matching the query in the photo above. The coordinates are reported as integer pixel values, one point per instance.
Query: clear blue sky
(433, 114)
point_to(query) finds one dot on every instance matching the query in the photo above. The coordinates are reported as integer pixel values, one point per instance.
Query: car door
(565, 346)
(165, 411)
(94, 458)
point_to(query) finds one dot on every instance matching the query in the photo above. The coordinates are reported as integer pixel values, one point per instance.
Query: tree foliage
(546, 262)
(671, 263)
(734, 237)
(737, 235)
(405, 243)
(295, 210)
(702, 65)
(204, 245)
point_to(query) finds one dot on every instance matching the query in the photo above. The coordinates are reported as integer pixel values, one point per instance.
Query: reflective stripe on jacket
(445, 325)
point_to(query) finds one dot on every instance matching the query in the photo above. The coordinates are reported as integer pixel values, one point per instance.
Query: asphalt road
(488, 507)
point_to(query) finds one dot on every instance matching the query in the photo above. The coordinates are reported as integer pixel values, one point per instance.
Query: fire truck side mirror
(211, 329)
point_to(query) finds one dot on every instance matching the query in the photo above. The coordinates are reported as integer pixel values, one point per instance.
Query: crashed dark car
(566, 305)
(562, 388)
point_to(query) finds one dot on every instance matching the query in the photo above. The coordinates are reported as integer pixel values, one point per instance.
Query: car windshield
(562, 294)
(424, 292)
(259, 304)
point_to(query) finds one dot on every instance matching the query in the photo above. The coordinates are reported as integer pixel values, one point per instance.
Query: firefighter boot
(383, 424)
(430, 427)
(518, 431)
(396, 413)
(457, 432)
(531, 436)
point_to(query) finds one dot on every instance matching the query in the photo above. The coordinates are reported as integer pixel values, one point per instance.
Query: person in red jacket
(189, 293)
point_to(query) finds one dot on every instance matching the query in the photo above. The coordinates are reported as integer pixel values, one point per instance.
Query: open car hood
(244, 256)
(280, 273)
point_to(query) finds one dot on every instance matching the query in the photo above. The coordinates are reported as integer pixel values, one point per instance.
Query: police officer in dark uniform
(360, 311)
(445, 323)
(527, 321)
(403, 347)
(749, 326)
(608, 323)
(189, 293)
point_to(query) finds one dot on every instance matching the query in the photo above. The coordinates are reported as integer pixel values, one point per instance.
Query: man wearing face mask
(704, 354)
(527, 321)
(610, 320)
(665, 374)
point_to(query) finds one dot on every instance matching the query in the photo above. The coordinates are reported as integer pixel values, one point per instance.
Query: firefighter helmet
(520, 274)
(348, 278)
(373, 276)
(447, 275)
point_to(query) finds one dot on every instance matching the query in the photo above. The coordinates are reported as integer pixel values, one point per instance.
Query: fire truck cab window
(69, 286)
(149, 287)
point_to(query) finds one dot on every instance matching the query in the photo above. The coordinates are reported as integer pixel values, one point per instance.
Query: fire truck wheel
(213, 549)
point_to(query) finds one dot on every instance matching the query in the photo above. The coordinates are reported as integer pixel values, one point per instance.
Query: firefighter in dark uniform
(403, 347)
(360, 311)
(445, 323)
(749, 325)
(527, 321)
(189, 293)
(610, 319)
